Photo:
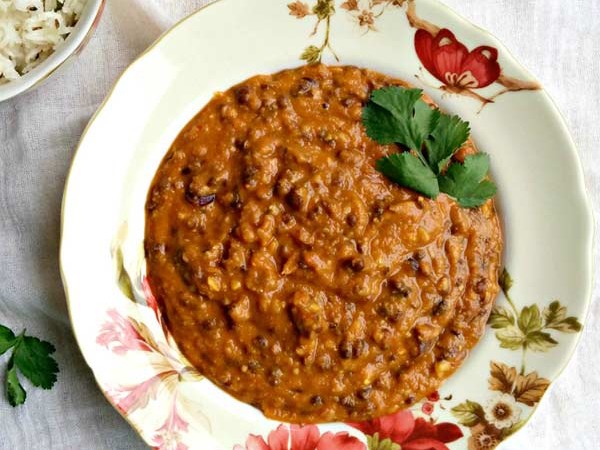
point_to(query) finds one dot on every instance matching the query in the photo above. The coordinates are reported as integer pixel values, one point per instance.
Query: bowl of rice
(39, 36)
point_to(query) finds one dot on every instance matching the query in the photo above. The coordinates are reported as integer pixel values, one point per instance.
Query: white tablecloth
(558, 40)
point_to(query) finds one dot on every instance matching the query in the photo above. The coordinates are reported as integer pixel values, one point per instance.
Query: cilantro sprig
(31, 357)
(396, 115)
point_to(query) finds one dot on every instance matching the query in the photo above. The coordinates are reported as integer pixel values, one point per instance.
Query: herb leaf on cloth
(14, 391)
(32, 358)
(7, 339)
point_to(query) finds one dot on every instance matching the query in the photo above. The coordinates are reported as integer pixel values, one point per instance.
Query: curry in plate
(294, 274)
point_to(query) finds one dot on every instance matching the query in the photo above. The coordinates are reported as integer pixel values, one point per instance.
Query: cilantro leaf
(399, 115)
(448, 136)
(33, 359)
(465, 182)
(399, 101)
(407, 170)
(425, 121)
(14, 391)
(7, 339)
(380, 125)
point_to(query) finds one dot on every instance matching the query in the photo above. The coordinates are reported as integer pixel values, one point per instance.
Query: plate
(548, 224)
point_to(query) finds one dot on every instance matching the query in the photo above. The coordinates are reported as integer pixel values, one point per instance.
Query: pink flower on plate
(342, 441)
(168, 437)
(278, 440)
(297, 437)
(412, 434)
(120, 335)
(130, 398)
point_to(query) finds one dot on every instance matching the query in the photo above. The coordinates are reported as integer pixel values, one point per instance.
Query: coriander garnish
(31, 357)
(398, 115)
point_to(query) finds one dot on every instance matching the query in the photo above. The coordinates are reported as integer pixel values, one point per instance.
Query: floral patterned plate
(534, 327)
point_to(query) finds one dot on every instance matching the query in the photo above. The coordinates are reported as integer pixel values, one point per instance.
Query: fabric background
(559, 41)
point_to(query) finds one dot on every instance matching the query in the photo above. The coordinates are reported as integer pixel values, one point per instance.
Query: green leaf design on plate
(311, 54)
(123, 278)
(532, 328)
(555, 317)
(511, 338)
(505, 281)
(469, 413)
(501, 317)
(538, 341)
(323, 9)
(530, 319)
(374, 443)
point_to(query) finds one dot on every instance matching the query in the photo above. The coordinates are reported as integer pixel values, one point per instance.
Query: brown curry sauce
(294, 275)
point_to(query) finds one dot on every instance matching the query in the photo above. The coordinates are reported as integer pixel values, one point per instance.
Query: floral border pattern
(121, 335)
(402, 431)
(460, 70)
(513, 392)
(296, 437)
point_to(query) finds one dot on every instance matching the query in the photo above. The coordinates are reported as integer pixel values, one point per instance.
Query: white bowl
(90, 16)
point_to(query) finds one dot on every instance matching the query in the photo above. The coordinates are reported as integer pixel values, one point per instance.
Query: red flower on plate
(296, 437)
(339, 441)
(450, 61)
(434, 397)
(427, 408)
(153, 305)
(412, 434)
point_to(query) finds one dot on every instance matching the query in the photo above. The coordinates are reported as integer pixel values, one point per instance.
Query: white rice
(30, 31)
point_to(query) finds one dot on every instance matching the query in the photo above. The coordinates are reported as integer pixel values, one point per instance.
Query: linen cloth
(559, 41)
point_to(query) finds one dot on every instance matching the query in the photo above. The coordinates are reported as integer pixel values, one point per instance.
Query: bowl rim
(70, 47)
